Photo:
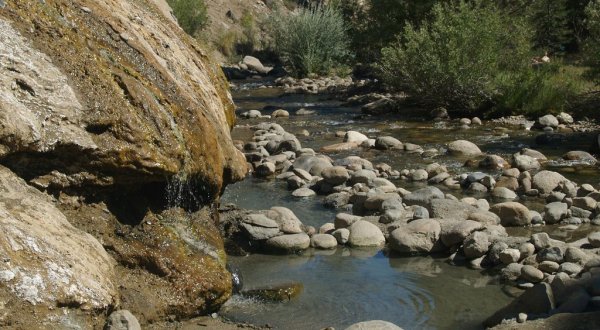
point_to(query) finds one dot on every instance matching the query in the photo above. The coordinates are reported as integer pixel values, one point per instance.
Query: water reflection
(415, 293)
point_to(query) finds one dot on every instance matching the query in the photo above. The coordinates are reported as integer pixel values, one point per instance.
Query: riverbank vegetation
(472, 56)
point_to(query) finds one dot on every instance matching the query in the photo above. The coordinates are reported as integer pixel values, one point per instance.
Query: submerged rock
(275, 293)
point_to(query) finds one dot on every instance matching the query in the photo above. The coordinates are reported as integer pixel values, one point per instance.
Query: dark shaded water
(350, 285)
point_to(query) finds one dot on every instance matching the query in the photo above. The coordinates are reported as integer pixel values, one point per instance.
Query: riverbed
(345, 285)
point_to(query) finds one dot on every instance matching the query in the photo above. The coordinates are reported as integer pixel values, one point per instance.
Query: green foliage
(226, 43)
(249, 41)
(458, 58)
(550, 21)
(191, 14)
(311, 41)
(545, 88)
(592, 46)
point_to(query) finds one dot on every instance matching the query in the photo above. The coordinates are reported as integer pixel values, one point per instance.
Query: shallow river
(345, 286)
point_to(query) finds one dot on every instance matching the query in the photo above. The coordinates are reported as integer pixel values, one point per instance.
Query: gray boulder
(387, 142)
(323, 241)
(476, 245)
(547, 181)
(536, 300)
(423, 196)
(417, 237)
(373, 325)
(122, 320)
(463, 148)
(554, 212)
(363, 233)
(286, 219)
(259, 227)
(289, 243)
(512, 214)
(335, 175)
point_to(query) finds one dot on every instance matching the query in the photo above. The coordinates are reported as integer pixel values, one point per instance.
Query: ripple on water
(415, 293)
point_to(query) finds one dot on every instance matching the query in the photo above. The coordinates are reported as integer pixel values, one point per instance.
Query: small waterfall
(186, 192)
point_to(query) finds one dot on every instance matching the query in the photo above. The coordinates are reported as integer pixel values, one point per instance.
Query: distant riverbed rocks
(472, 230)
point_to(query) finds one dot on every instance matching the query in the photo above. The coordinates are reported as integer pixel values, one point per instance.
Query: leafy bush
(311, 41)
(592, 46)
(458, 58)
(191, 14)
(546, 88)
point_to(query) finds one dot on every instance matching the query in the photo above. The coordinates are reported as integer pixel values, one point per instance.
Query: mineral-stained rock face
(105, 104)
(45, 260)
(113, 89)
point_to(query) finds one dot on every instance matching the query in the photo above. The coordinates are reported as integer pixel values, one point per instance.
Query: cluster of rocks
(558, 277)
(375, 212)
(563, 122)
(331, 85)
(279, 230)
(248, 67)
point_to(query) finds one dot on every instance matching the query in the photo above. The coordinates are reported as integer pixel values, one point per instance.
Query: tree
(550, 19)
(592, 44)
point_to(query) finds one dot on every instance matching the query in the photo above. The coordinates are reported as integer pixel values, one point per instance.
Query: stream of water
(345, 286)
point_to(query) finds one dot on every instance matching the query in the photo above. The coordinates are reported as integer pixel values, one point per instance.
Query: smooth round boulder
(387, 142)
(547, 181)
(512, 214)
(423, 196)
(531, 274)
(456, 231)
(280, 113)
(579, 155)
(364, 233)
(548, 121)
(303, 193)
(493, 162)
(463, 148)
(362, 176)
(594, 239)
(504, 193)
(335, 175)
(354, 136)
(341, 235)
(323, 241)
(122, 320)
(289, 243)
(549, 267)
(419, 175)
(417, 237)
(286, 219)
(476, 245)
(509, 256)
(525, 162)
(373, 325)
(554, 212)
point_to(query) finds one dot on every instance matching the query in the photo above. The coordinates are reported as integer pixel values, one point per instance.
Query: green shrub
(457, 58)
(226, 43)
(592, 45)
(547, 88)
(310, 41)
(191, 14)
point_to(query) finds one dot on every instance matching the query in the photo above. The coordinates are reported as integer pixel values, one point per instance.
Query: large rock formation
(47, 261)
(112, 109)
(112, 91)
